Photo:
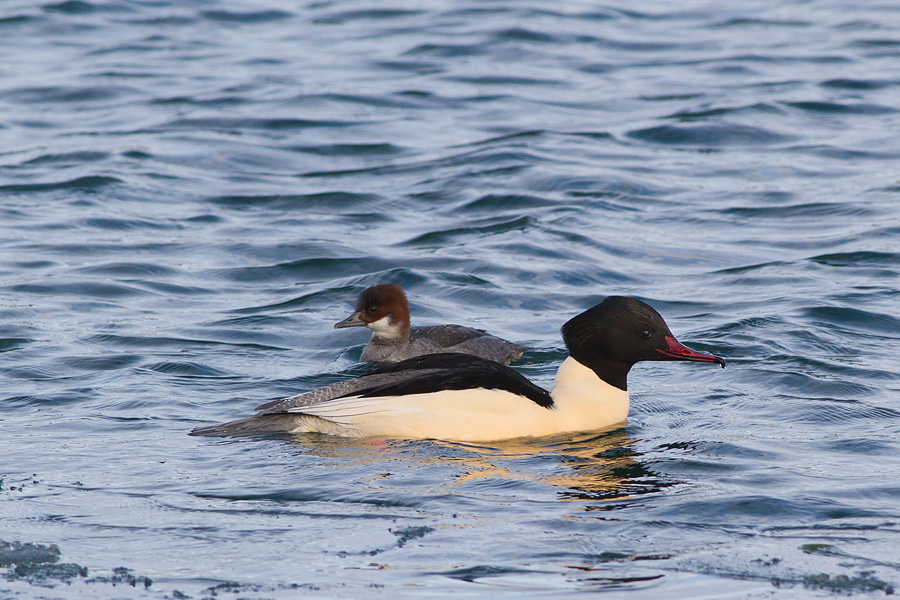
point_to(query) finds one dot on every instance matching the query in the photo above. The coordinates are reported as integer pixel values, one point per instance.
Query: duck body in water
(467, 398)
(385, 310)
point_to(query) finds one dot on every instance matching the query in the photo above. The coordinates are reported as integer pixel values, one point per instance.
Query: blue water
(192, 193)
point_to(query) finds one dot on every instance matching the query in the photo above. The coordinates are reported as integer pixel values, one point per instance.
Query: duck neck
(580, 390)
(613, 372)
(389, 331)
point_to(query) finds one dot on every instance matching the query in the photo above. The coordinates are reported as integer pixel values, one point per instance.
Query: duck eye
(372, 309)
(645, 334)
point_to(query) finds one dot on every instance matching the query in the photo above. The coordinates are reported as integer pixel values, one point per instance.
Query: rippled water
(192, 193)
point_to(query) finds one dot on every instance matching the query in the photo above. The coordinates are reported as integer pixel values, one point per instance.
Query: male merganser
(385, 310)
(469, 399)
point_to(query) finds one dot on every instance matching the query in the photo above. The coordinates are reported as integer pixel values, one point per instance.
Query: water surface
(192, 193)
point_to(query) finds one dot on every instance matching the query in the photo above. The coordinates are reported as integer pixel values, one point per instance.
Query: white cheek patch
(384, 328)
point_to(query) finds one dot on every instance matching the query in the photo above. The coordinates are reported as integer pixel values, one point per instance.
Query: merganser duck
(385, 310)
(470, 399)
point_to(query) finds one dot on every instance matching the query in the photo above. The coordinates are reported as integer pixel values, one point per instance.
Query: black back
(453, 371)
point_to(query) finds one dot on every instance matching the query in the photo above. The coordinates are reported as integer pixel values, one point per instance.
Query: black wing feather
(455, 372)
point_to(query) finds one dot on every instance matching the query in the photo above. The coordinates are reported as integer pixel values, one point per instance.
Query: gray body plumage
(442, 338)
(274, 418)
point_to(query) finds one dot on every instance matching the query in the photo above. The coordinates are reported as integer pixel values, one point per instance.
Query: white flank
(582, 402)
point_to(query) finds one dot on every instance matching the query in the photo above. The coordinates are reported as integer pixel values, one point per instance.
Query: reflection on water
(604, 467)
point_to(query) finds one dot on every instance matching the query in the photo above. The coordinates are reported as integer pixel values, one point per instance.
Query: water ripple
(710, 135)
(193, 194)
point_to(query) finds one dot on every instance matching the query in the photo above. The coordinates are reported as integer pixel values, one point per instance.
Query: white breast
(585, 401)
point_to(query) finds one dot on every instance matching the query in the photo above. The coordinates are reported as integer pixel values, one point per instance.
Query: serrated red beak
(678, 351)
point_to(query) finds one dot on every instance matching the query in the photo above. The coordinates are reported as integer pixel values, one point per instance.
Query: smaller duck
(385, 310)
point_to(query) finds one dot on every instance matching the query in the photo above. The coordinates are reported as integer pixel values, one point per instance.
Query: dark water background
(192, 193)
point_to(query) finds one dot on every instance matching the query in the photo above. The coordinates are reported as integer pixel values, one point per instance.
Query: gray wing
(336, 390)
(467, 340)
(446, 335)
(491, 348)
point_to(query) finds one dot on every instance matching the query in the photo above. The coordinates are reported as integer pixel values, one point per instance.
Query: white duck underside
(582, 402)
